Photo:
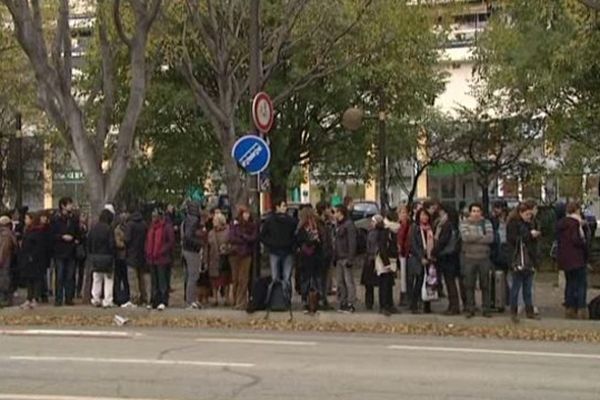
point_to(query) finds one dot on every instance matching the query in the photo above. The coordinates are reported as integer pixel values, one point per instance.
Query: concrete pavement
(188, 364)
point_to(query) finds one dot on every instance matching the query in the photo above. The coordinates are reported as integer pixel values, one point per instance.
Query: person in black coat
(386, 262)
(521, 235)
(65, 229)
(32, 258)
(445, 253)
(135, 243)
(101, 253)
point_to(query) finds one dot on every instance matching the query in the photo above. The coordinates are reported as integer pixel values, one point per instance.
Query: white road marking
(70, 333)
(256, 341)
(95, 360)
(54, 397)
(496, 352)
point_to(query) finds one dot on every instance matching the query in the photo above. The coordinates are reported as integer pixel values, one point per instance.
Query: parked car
(364, 209)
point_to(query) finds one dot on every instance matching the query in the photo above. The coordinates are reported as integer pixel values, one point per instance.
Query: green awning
(450, 168)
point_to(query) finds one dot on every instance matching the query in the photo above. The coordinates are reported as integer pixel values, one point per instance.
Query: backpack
(594, 308)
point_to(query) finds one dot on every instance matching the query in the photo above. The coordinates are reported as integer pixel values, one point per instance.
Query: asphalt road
(191, 364)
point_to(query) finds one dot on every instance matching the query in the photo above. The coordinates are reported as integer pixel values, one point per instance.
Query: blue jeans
(576, 288)
(525, 281)
(64, 280)
(281, 267)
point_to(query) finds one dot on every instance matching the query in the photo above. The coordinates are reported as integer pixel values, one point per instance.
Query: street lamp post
(19, 137)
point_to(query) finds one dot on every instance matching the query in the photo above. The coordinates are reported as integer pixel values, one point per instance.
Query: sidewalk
(552, 326)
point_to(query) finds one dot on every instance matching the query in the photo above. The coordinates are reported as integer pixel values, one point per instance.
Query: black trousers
(34, 288)
(160, 285)
(386, 293)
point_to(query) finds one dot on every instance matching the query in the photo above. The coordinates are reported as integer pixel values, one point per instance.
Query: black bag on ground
(278, 299)
(258, 295)
(498, 290)
(594, 308)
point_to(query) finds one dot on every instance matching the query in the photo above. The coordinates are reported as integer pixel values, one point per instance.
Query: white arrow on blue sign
(252, 153)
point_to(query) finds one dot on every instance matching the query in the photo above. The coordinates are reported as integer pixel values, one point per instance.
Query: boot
(570, 313)
(514, 314)
(582, 313)
(530, 313)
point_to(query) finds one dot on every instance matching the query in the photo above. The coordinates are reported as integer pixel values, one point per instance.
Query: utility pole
(383, 195)
(255, 83)
(19, 137)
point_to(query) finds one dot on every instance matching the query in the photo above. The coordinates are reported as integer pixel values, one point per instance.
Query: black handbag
(521, 260)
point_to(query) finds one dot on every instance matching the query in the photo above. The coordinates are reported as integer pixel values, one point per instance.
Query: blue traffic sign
(252, 153)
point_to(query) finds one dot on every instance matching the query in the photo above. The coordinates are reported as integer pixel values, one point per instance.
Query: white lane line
(256, 341)
(95, 360)
(54, 397)
(69, 333)
(496, 352)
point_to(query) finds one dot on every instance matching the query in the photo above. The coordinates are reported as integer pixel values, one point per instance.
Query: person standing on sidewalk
(278, 235)
(573, 258)
(101, 253)
(192, 243)
(8, 250)
(122, 289)
(345, 259)
(310, 256)
(445, 252)
(368, 277)
(65, 228)
(216, 256)
(403, 245)
(136, 231)
(160, 242)
(386, 259)
(521, 235)
(32, 258)
(243, 235)
(421, 248)
(326, 231)
(477, 235)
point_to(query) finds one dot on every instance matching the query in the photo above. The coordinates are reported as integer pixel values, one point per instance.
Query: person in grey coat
(345, 259)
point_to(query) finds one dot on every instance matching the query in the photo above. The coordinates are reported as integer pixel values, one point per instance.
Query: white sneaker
(26, 305)
(161, 307)
(96, 303)
(108, 305)
(128, 305)
(33, 304)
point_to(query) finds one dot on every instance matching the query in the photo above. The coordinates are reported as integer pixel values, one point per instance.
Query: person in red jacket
(573, 259)
(403, 248)
(160, 242)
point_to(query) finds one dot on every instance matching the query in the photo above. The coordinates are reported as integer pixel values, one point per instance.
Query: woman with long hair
(102, 251)
(520, 236)
(243, 235)
(32, 258)
(311, 254)
(421, 258)
(445, 252)
(403, 245)
(217, 251)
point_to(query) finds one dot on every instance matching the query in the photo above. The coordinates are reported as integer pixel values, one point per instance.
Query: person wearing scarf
(421, 250)
(403, 245)
(243, 236)
(572, 258)
(32, 255)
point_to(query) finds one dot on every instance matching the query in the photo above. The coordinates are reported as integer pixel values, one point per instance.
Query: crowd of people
(429, 251)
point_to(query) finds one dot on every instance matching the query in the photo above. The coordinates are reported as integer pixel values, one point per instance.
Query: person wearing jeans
(572, 257)
(477, 235)
(278, 235)
(345, 259)
(520, 236)
(160, 242)
(65, 230)
(192, 243)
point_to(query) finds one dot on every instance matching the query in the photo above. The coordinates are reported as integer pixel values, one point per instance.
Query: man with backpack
(278, 235)
(345, 258)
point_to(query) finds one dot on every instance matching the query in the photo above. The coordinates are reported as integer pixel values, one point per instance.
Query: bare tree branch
(119, 23)
(593, 4)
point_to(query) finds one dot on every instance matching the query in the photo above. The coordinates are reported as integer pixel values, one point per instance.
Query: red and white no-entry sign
(262, 112)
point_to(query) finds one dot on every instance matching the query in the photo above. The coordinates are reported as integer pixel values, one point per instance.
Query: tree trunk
(232, 177)
(485, 197)
(413, 189)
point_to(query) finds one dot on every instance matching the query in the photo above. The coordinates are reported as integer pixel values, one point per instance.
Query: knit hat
(110, 208)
